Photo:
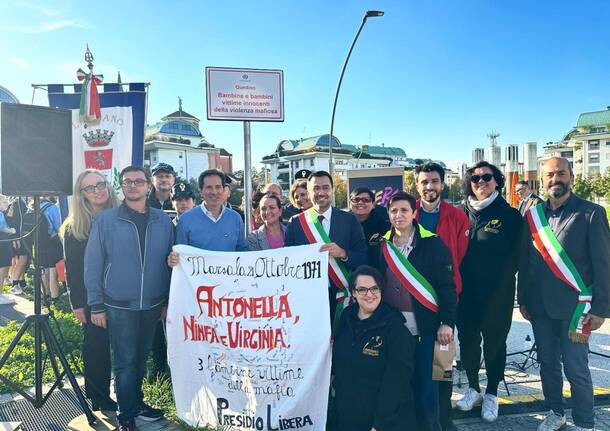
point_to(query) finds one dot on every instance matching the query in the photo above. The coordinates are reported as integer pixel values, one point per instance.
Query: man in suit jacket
(581, 228)
(528, 197)
(347, 239)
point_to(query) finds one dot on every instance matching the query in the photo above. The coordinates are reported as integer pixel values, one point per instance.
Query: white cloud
(46, 27)
(19, 62)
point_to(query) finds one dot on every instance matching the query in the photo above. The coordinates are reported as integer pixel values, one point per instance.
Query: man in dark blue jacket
(347, 244)
(127, 281)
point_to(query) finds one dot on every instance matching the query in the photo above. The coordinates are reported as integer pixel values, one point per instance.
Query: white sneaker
(16, 290)
(489, 411)
(470, 399)
(552, 422)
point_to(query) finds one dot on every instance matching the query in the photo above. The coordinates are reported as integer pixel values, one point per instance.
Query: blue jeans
(424, 388)
(554, 346)
(131, 335)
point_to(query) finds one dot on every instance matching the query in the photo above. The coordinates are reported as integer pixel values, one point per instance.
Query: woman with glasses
(488, 277)
(417, 267)
(271, 233)
(92, 194)
(372, 218)
(372, 361)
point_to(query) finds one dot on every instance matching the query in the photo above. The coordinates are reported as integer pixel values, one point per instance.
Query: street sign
(244, 94)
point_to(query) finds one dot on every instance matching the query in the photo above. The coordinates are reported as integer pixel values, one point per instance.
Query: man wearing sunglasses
(527, 196)
(452, 227)
(374, 225)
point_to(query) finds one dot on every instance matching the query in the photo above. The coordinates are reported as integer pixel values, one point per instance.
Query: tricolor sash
(563, 268)
(409, 276)
(315, 233)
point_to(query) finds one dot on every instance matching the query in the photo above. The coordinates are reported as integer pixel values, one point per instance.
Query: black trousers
(445, 390)
(159, 350)
(488, 322)
(96, 359)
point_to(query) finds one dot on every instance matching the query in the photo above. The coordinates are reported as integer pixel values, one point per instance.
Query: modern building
(6, 96)
(478, 154)
(590, 141)
(311, 153)
(177, 140)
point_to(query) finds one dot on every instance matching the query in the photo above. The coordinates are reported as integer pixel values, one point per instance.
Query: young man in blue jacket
(127, 281)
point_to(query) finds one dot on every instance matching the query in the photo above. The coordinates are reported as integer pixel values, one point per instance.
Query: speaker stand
(43, 333)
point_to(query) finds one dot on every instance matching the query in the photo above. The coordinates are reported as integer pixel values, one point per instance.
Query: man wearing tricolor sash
(337, 231)
(564, 290)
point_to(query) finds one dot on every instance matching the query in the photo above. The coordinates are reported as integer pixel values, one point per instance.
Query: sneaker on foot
(16, 290)
(552, 422)
(489, 411)
(149, 414)
(128, 425)
(471, 398)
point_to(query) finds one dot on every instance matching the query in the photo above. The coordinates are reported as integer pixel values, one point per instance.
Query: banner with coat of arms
(103, 146)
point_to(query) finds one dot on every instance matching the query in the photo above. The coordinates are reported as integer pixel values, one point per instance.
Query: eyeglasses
(485, 177)
(357, 200)
(374, 290)
(519, 190)
(138, 183)
(95, 188)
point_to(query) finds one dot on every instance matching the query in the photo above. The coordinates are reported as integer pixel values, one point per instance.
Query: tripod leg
(11, 347)
(64, 362)
(52, 358)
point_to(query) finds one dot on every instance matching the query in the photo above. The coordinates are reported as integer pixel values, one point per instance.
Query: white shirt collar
(209, 214)
(327, 213)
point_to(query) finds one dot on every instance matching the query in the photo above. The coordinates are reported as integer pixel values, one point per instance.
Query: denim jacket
(115, 273)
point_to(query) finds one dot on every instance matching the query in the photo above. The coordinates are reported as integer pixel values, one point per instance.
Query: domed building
(6, 96)
(177, 140)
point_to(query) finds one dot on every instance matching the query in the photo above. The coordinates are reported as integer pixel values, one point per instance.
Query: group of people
(418, 269)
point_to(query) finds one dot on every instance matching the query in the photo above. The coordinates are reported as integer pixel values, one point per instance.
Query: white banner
(248, 338)
(105, 146)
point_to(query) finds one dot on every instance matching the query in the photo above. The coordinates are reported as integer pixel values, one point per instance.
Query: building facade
(177, 140)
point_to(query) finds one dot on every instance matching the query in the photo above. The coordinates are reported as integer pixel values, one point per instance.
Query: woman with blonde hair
(92, 194)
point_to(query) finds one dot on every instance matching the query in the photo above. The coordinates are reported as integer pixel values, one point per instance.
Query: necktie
(320, 218)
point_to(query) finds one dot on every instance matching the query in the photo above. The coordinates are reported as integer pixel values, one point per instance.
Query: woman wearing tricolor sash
(419, 283)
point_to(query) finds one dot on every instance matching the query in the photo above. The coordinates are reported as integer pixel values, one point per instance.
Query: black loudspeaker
(35, 150)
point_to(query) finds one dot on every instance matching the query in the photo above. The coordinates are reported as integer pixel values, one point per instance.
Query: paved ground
(528, 422)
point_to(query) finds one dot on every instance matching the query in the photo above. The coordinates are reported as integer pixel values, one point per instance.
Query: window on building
(296, 164)
(311, 162)
(598, 129)
(607, 143)
(594, 145)
(593, 170)
(567, 154)
(593, 157)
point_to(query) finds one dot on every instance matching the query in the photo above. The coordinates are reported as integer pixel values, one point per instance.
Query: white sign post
(246, 345)
(235, 94)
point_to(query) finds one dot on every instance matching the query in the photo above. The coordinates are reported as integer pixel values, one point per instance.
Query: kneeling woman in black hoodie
(372, 361)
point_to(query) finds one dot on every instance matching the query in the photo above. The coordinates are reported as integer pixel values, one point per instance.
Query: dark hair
(274, 197)
(209, 173)
(360, 190)
(403, 196)
(321, 174)
(498, 176)
(256, 198)
(524, 183)
(132, 168)
(366, 270)
(430, 167)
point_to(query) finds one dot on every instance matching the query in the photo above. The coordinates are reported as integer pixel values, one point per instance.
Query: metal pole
(37, 308)
(332, 120)
(247, 178)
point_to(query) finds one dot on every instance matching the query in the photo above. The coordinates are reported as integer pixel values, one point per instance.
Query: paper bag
(442, 364)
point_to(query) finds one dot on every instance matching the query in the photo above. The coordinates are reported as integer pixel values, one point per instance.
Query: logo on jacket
(372, 347)
(493, 226)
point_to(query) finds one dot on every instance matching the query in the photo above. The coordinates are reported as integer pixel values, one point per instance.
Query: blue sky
(433, 77)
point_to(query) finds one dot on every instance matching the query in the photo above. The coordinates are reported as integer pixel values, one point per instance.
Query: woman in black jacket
(372, 361)
(418, 273)
(488, 275)
(92, 194)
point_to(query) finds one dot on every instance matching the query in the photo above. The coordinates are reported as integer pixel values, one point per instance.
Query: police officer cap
(303, 174)
(182, 190)
(162, 167)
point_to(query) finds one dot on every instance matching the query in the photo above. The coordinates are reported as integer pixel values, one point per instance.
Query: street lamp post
(368, 14)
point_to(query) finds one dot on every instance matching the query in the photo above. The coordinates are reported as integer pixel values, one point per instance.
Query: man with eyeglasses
(339, 231)
(527, 196)
(127, 282)
(452, 227)
(374, 225)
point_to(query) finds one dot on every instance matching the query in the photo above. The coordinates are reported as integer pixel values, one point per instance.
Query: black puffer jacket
(489, 267)
(373, 361)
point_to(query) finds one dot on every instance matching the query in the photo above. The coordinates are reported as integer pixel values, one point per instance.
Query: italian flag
(90, 111)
